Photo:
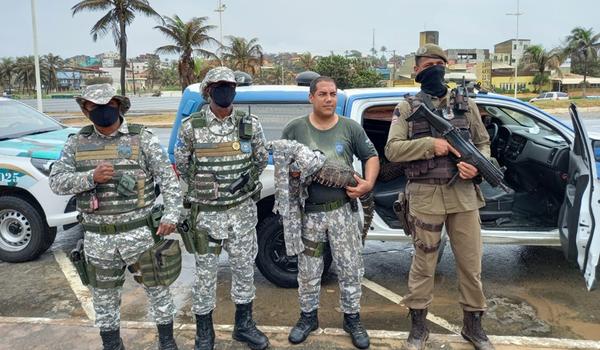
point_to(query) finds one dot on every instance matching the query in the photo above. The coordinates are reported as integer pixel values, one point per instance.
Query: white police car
(30, 212)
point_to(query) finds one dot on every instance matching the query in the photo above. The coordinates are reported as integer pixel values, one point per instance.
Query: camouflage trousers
(236, 227)
(341, 227)
(117, 252)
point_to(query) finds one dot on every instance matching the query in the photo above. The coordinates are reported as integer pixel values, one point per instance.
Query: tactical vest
(216, 165)
(131, 188)
(441, 168)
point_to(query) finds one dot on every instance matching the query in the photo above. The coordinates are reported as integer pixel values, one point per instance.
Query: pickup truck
(550, 167)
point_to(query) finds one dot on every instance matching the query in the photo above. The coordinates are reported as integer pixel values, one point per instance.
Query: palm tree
(153, 72)
(7, 70)
(306, 61)
(583, 44)
(25, 73)
(537, 58)
(121, 13)
(188, 37)
(52, 63)
(242, 54)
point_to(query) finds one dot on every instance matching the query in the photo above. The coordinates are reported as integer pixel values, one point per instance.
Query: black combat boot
(359, 335)
(307, 323)
(205, 333)
(245, 330)
(165, 337)
(419, 333)
(473, 332)
(111, 340)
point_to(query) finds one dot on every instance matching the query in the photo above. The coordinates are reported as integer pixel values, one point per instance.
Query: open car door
(579, 230)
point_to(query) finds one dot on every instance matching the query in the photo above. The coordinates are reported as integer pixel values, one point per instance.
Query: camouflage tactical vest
(216, 165)
(130, 189)
(442, 168)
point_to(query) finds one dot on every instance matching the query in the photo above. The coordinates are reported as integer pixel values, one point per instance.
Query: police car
(550, 167)
(30, 213)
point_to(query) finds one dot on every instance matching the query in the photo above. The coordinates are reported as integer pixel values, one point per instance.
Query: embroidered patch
(124, 150)
(339, 147)
(245, 146)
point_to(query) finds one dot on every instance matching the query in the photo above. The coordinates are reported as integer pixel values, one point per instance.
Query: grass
(579, 102)
(78, 120)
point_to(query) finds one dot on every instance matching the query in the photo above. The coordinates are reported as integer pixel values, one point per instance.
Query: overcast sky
(317, 26)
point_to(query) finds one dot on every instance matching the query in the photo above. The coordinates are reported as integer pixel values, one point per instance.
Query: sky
(316, 26)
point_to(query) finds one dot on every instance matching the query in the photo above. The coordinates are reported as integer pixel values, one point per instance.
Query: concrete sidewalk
(44, 333)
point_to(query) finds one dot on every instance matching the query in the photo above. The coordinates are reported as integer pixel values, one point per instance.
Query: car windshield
(509, 116)
(17, 119)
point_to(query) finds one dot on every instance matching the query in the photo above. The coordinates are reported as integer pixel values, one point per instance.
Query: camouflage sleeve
(479, 134)
(160, 167)
(259, 150)
(64, 179)
(184, 147)
(398, 147)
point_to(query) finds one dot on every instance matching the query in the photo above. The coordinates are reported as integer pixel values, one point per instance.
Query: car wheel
(272, 261)
(23, 233)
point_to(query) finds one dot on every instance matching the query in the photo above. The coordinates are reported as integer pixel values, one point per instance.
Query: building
(510, 50)
(429, 37)
(483, 71)
(467, 55)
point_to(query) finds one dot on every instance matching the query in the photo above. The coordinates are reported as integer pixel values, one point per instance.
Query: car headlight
(43, 165)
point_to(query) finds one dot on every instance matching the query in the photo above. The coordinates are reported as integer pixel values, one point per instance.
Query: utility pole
(373, 45)
(133, 76)
(516, 14)
(38, 80)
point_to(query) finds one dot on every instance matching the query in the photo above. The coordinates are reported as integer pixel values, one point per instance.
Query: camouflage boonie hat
(431, 51)
(215, 75)
(101, 94)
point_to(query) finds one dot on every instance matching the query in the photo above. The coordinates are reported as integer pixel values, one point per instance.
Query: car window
(562, 94)
(596, 145)
(274, 116)
(514, 117)
(17, 119)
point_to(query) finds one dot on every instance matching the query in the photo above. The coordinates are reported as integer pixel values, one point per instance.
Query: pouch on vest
(126, 185)
(77, 257)
(158, 266)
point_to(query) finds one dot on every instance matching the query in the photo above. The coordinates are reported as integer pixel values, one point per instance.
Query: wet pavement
(536, 300)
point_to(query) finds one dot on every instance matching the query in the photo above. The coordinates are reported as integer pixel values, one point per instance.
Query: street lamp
(38, 80)
(516, 14)
(220, 10)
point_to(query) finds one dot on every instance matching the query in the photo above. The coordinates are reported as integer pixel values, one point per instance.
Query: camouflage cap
(432, 51)
(215, 75)
(101, 94)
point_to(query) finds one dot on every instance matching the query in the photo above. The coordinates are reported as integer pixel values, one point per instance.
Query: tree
(244, 55)
(7, 70)
(582, 44)
(189, 38)
(153, 72)
(306, 61)
(25, 72)
(98, 80)
(537, 58)
(121, 13)
(53, 64)
(169, 77)
(348, 72)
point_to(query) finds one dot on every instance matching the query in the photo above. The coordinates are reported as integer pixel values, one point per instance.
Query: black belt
(329, 206)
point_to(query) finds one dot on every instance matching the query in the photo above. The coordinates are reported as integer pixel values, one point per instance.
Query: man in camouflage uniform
(218, 148)
(92, 165)
(327, 212)
(433, 201)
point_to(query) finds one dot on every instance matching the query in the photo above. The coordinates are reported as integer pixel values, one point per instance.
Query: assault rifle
(468, 152)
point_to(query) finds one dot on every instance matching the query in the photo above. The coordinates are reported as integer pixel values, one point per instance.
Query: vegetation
(582, 46)
(188, 38)
(242, 54)
(121, 13)
(348, 72)
(536, 58)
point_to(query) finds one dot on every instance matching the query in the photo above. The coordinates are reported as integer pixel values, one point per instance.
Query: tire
(272, 261)
(24, 234)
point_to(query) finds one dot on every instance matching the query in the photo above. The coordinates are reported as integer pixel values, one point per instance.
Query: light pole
(38, 82)
(220, 10)
(516, 14)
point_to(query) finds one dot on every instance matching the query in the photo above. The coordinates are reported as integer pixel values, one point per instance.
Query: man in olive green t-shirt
(328, 215)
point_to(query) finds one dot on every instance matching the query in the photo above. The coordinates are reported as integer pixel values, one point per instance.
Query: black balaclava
(223, 94)
(432, 80)
(104, 115)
